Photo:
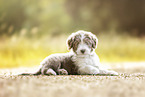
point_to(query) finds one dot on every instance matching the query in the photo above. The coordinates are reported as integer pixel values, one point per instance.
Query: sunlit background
(30, 30)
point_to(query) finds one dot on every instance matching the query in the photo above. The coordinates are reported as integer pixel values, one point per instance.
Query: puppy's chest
(85, 61)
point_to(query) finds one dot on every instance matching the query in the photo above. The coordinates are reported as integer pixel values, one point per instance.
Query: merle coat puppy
(81, 60)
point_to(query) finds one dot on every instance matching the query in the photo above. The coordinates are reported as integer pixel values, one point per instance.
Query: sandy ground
(130, 83)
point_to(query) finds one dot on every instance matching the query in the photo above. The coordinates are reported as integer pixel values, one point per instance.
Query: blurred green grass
(19, 50)
(121, 48)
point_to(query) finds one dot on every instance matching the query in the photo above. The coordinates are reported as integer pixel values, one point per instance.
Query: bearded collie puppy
(81, 60)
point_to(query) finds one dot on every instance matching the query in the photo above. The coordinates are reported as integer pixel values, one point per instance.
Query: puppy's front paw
(62, 72)
(113, 73)
(108, 72)
(94, 71)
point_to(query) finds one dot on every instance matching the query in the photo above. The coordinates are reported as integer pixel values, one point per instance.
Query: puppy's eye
(87, 42)
(87, 39)
(77, 41)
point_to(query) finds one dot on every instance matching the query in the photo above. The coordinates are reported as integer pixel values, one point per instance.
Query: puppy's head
(82, 42)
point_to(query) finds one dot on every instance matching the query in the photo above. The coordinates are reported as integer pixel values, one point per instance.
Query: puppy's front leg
(88, 70)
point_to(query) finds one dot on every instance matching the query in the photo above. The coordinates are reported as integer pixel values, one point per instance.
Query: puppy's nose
(83, 51)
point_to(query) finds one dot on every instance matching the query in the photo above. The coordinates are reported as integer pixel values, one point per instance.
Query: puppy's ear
(94, 42)
(70, 41)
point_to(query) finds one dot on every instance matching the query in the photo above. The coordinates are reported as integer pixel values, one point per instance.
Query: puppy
(81, 60)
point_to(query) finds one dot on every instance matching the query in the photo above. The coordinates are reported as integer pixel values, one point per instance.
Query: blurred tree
(47, 16)
(51, 16)
(12, 16)
(103, 15)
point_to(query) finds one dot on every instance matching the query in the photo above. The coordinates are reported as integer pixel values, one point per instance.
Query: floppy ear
(70, 41)
(95, 42)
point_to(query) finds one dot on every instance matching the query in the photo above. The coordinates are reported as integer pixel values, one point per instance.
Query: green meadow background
(30, 30)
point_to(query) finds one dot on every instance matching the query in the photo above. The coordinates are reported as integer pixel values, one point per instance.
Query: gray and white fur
(81, 60)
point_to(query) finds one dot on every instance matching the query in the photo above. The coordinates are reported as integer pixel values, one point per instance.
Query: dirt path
(130, 83)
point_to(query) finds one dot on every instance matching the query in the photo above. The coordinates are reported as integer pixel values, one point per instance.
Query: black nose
(83, 51)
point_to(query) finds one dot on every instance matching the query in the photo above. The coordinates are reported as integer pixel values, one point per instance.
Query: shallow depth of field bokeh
(30, 30)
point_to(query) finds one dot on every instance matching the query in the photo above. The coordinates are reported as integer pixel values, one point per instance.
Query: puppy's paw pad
(63, 72)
